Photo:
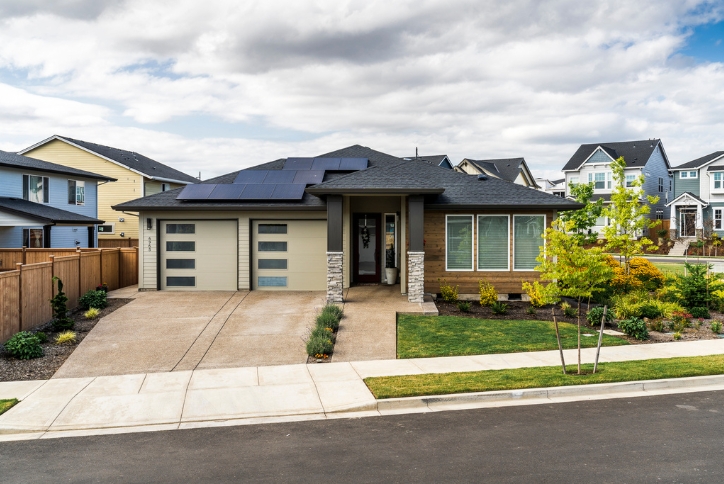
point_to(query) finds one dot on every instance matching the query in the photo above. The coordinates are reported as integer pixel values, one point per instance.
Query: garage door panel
(306, 245)
(215, 256)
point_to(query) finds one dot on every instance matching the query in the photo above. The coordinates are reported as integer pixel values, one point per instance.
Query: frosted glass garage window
(459, 243)
(493, 242)
(180, 228)
(527, 240)
(272, 228)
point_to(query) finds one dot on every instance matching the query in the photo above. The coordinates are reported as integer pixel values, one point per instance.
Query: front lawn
(670, 268)
(427, 336)
(6, 404)
(540, 377)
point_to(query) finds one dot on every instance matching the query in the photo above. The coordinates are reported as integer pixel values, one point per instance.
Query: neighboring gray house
(437, 160)
(591, 164)
(698, 196)
(554, 187)
(509, 169)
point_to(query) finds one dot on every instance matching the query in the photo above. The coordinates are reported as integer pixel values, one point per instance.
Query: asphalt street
(673, 438)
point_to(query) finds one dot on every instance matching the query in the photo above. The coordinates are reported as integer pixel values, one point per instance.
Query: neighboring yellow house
(137, 175)
(511, 169)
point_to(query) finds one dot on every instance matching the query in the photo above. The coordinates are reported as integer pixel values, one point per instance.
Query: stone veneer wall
(334, 277)
(416, 277)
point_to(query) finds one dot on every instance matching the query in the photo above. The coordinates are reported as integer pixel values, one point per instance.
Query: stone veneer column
(334, 277)
(416, 277)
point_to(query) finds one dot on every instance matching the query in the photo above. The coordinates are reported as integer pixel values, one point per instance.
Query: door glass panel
(367, 235)
(390, 249)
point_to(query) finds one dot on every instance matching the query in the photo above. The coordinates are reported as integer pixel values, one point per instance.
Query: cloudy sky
(219, 85)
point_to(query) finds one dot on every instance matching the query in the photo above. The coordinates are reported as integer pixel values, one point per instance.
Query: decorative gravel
(12, 369)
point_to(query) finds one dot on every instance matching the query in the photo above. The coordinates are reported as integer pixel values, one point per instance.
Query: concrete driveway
(173, 331)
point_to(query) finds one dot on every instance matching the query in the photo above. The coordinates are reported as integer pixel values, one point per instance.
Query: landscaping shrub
(649, 310)
(641, 304)
(464, 306)
(677, 336)
(66, 338)
(715, 327)
(24, 345)
(699, 312)
(488, 294)
(334, 310)
(568, 310)
(539, 294)
(92, 313)
(327, 320)
(42, 337)
(499, 307)
(449, 293)
(657, 325)
(321, 332)
(642, 275)
(59, 303)
(634, 327)
(595, 315)
(319, 346)
(530, 310)
(93, 299)
(695, 289)
(680, 321)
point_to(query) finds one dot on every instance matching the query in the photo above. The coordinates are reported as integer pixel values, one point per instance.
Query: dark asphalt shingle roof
(635, 153)
(385, 173)
(44, 213)
(505, 168)
(135, 161)
(432, 159)
(21, 162)
(699, 162)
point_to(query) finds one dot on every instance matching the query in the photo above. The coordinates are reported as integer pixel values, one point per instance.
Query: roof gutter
(507, 207)
(170, 180)
(375, 191)
(234, 208)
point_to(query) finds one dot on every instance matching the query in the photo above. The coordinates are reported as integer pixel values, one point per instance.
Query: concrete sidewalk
(234, 396)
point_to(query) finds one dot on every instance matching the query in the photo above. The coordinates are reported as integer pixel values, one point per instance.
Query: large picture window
(493, 242)
(527, 240)
(36, 188)
(459, 243)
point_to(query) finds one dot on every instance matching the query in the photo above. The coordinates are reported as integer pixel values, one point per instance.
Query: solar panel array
(285, 184)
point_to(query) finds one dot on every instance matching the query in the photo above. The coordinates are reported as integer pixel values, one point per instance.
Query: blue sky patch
(706, 43)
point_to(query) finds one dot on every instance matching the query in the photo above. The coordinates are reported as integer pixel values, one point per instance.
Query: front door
(688, 223)
(366, 263)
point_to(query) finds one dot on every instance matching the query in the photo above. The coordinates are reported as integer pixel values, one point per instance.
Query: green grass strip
(428, 336)
(5, 405)
(544, 376)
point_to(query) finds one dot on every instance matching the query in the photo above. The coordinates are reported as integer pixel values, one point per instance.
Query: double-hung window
(527, 240)
(36, 188)
(601, 181)
(716, 180)
(630, 179)
(76, 192)
(459, 243)
(661, 185)
(717, 219)
(493, 242)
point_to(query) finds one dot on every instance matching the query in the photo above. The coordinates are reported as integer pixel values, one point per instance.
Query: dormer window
(687, 174)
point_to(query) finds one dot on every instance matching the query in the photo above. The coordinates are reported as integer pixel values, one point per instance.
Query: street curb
(551, 394)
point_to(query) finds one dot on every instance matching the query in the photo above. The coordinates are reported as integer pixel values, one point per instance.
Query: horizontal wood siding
(9, 307)
(505, 282)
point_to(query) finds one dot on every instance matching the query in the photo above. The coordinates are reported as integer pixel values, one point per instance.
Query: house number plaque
(149, 244)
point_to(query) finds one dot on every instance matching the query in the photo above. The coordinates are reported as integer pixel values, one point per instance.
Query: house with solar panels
(591, 163)
(340, 219)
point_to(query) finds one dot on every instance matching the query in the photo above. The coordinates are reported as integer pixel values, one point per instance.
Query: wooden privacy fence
(661, 225)
(25, 291)
(111, 243)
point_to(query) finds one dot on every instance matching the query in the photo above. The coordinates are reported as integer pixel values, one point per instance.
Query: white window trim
(721, 181)
(477, 259)
(30, 175)
(113, 229)
(473, 242)
(720, 218)
(694, 172)
(607, 181)
(545, 226)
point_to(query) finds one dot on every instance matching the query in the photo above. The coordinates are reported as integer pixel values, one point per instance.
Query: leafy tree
(628, 215)
(577, 272)
(584, 218)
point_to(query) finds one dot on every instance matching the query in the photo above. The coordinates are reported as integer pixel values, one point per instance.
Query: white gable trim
(593, 153)
(688, 199)
(719, 158)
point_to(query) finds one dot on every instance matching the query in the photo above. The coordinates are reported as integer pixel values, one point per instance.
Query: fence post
(24, 260)
(52, 274)
(19, 267)
(118, 272)
(101, 264)
(80, 273)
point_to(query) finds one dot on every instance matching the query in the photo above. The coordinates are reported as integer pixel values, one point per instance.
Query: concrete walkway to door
(176, 331)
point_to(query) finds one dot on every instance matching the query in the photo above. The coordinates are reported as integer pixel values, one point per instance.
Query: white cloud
(469, 78)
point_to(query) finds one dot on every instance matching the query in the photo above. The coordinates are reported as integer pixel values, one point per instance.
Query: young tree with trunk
(584, 218)
(577, 272)
(627, 213)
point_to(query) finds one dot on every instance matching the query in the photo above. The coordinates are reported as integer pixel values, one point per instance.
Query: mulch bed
(518, 310)
(12, 369)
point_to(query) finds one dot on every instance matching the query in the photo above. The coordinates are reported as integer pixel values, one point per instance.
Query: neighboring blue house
(45, 205)
(591, 163)
(698, 200)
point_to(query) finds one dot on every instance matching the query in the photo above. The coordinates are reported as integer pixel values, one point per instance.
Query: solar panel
(251, 176)
(279, 176)
(228, 191)
(197, 191)
(331, 164)
(257, 192)
(298, 164)
(288, 191)
(353, 164)
(311, 177)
